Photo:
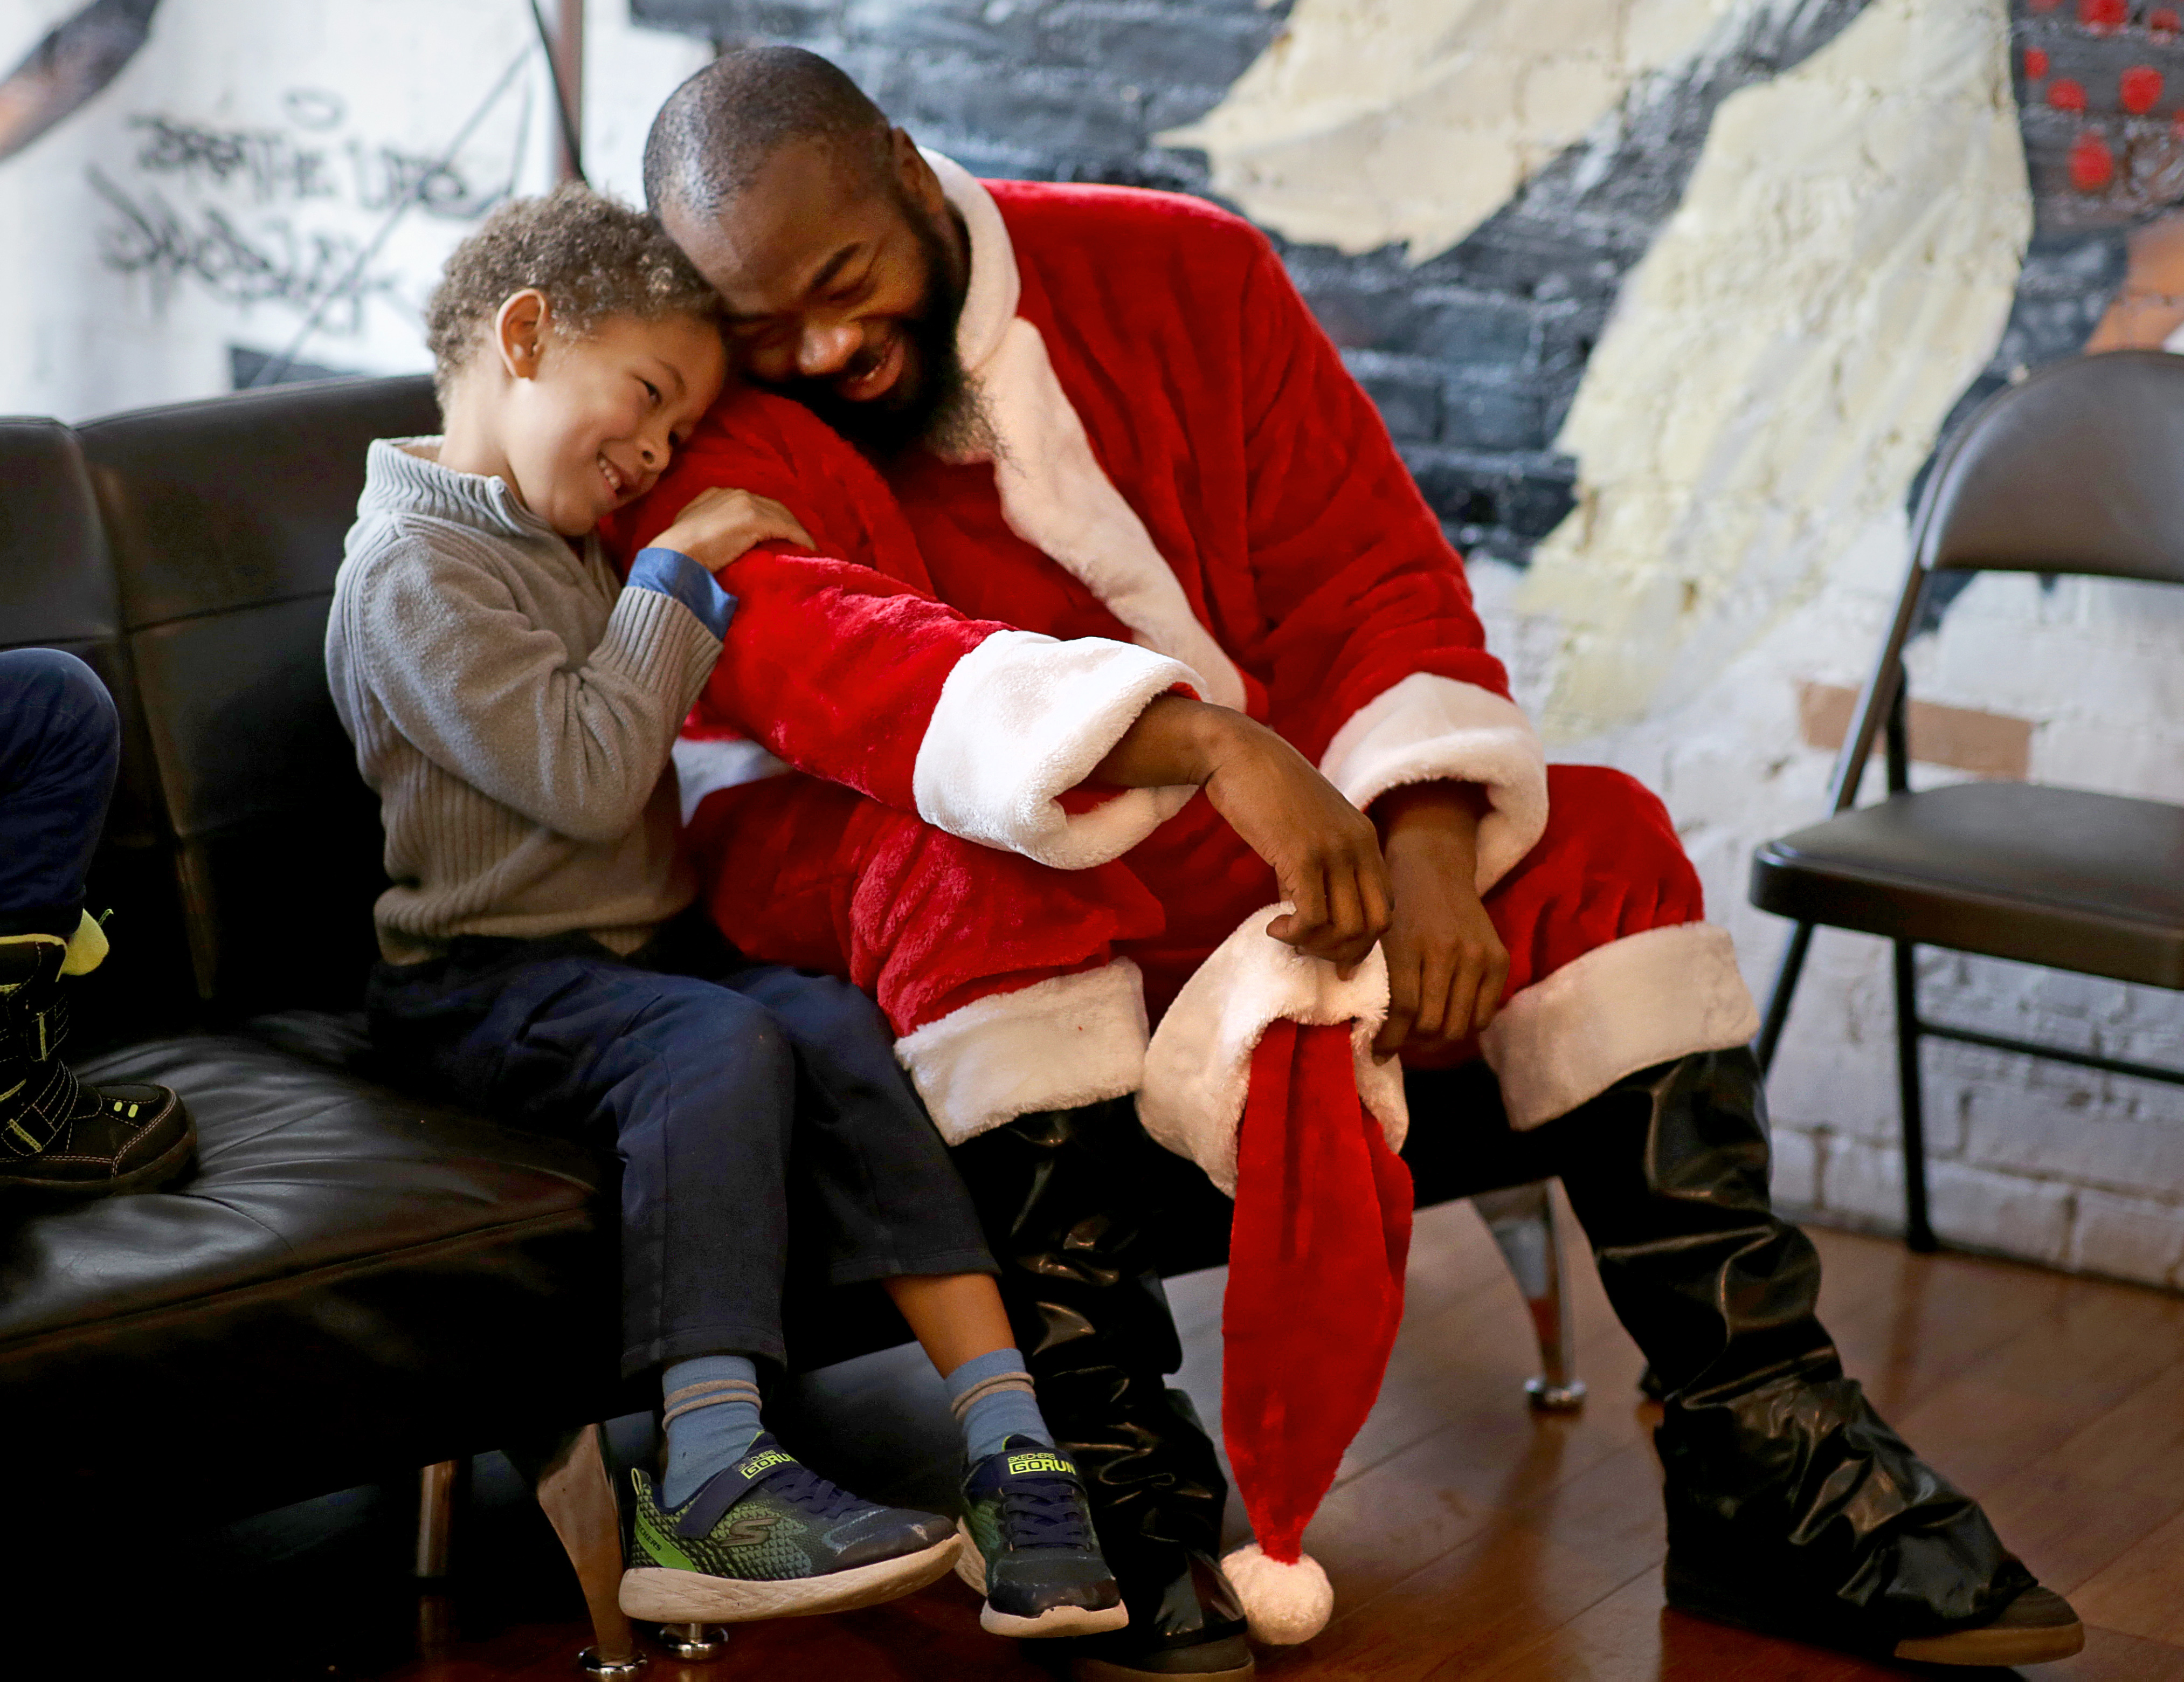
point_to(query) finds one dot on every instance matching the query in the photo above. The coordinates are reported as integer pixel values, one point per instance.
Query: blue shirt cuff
(672, 572)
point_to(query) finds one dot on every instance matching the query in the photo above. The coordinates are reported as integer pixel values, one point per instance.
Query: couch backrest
(224, 519)
(220, 531)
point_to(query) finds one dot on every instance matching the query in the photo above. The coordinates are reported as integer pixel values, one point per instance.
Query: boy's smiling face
(588, 424)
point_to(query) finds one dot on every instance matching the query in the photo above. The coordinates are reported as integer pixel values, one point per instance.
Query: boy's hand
(1446, 965)
(717, 526)
(1325, 852)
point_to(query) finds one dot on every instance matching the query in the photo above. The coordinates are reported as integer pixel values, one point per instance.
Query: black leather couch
(355, 1277)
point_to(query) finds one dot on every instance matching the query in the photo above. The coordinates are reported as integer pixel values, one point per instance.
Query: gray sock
(712, 1419)
(993, 1401)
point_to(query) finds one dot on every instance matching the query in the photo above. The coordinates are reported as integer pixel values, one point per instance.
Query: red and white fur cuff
(1198, 1067)
(1643, 999)
(1056, 1044)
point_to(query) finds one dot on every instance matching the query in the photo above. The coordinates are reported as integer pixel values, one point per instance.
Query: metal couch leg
(579, 1500)
(1523, 1221)
(436, 1516)
(436, 1486)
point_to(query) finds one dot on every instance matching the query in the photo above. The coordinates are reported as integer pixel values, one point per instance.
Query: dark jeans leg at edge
(60, 745)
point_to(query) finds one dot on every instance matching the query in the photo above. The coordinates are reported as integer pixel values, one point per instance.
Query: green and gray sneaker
(1032, 1553)
(770, 1537)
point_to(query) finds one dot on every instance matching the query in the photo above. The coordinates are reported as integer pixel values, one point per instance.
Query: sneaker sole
(662, 1595)
(1060, 1620)
(144, 1177)
(2003, 1647)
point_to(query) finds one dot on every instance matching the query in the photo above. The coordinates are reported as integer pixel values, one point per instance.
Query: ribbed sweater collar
(396, 480)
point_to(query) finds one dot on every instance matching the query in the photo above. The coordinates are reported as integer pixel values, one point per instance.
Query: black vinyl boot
(57, 1135)
(1067, 1200)
(1792, 1507)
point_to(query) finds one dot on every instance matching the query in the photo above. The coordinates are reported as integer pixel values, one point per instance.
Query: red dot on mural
(2103, 17)
(2140, 86)
(2163, 22)
(2066, 95)
(2093, 165)
(2035, 63)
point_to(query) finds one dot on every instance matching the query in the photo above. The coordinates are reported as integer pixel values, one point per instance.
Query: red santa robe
(1186, 492)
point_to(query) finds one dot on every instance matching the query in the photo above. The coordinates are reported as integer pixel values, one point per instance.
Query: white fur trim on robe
(1054, 495)
(1023, 720)
(1056, 1044)
(706, 765)
(1431, 728)
(1622, 1006)
(1199, 1065)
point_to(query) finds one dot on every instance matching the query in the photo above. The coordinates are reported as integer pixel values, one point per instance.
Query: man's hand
(1445, 964)
(1325, 854)
(717, 526)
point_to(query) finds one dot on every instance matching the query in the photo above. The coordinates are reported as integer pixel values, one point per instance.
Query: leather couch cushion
(351, 1278)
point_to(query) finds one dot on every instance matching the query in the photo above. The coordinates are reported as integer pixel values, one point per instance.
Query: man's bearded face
(930, 401)
(843, 287)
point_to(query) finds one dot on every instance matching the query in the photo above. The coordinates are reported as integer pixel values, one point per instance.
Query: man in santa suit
(1128, 732)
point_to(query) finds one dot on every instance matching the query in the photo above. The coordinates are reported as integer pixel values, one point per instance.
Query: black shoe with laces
(768, 1537)
(59, 1137)
(1033, 1554)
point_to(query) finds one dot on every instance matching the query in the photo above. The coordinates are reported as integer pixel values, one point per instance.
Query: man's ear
(519, 332)
(916, 174)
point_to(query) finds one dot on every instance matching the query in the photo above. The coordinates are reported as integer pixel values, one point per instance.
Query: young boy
(514, 708)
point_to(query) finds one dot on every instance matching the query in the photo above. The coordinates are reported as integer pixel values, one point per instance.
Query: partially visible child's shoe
(1032, 1553)
(57, 1137)
(770, 1537)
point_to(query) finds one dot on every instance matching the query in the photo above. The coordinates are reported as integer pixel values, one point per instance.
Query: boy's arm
(491, 698)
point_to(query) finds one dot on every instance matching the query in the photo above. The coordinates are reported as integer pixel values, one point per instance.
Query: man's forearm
(1176, 741)
(1445, 810)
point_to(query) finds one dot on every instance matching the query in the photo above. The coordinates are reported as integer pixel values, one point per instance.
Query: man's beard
(942, 412)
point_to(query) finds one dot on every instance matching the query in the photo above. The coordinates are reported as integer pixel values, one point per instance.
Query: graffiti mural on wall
(240, 233)
(1470, 192)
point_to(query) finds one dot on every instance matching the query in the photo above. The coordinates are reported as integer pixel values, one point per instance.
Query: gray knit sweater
(513, 706)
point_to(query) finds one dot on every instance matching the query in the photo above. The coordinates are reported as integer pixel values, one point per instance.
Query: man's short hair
(716, 132)
(593, 256)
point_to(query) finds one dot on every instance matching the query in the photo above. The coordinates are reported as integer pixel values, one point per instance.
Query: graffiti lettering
(265, 161)
(271, 166)
(276, 263)
(385, 177)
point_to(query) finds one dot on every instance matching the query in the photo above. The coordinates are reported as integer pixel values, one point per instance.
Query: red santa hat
(1263, 1073)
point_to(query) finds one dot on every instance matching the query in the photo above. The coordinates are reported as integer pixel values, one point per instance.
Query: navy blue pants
(60, 745)
(754, 1107)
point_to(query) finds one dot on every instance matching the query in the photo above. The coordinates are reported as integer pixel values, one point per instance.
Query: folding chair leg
(1778, 998)
(1522, 1220)
(1918, 1230)
(579, 1500)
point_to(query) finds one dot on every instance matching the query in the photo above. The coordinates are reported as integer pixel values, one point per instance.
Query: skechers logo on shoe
(1044, 1461)
(759, 1463)
(752, 1529)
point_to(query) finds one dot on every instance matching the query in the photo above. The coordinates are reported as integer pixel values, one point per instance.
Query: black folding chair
(2078, 469)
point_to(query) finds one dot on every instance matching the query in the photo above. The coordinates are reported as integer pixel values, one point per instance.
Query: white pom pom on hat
(1284, 1604)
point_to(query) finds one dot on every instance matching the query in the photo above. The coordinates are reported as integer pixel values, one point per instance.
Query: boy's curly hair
(593, 256)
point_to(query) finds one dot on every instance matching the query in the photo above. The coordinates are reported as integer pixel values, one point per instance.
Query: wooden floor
(1467, 1538)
